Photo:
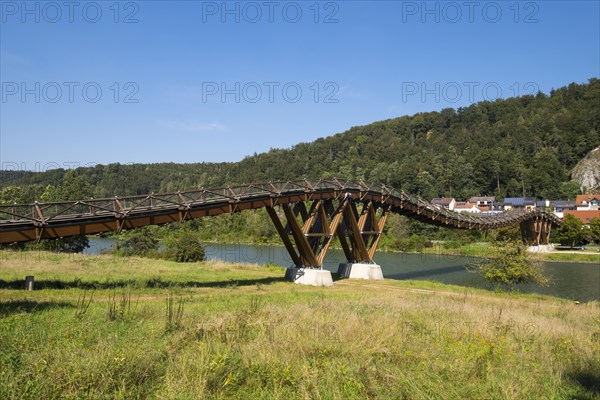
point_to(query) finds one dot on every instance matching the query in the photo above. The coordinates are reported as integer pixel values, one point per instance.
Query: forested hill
(527, 144)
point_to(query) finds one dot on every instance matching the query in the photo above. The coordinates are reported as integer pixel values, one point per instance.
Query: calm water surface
(576, 281)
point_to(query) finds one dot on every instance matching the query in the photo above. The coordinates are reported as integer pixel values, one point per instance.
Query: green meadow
(104, 327)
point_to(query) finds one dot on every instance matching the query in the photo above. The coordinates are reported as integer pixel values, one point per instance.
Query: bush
(184, 247)
(413, 243)
(510, 265)
(572, 231)
(453, 244)
(509, 234)
(138, 242)
(595, 229)
(71, 244)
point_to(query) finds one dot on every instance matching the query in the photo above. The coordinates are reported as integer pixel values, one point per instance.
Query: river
(575, 281)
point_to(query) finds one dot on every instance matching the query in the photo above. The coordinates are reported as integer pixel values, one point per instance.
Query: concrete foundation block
(309, 276)
(360, 271)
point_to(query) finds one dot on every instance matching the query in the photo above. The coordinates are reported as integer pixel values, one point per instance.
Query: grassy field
(483, 250)
(106, 327)
(570, 257)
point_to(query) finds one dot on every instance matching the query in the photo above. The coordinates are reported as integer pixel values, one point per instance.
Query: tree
(184, 247)
(546, 173)
(571, 231)
(595, 228)
(569, 190)
(138, 242)
(513, 188)
(509, 265)
(71, 244)
(11, 194)
(509, 233)
(73, 187)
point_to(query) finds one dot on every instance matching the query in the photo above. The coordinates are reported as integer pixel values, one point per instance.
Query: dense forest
(513, 147)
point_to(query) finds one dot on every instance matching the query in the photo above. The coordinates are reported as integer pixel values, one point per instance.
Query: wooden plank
(306, 254)
(360, 250)
(282, 234)
(380, 226)
(308, 222)
(335, 223)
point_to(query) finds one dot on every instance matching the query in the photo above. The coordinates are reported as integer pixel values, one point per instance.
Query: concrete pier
(309, 276)
(360, 271)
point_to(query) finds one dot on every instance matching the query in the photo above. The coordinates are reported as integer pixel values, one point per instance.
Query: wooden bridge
(307, 215)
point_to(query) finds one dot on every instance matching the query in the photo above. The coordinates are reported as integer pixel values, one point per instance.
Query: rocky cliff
(587, 171)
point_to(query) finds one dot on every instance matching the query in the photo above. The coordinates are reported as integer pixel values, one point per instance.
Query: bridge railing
(124, 205)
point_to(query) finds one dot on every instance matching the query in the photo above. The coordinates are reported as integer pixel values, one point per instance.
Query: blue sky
(158, 81)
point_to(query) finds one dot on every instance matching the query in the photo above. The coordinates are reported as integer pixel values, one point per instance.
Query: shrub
(453, 244)
(184, 247)
(510, 265)
(595, 229)
(71, 244)
(138, 242)
(509, 233)
(413, 243)
(572, 231)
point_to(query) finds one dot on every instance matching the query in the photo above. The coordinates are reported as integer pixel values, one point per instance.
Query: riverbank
(482, 250)
(478, 250)
(156, 329)
(574, 281)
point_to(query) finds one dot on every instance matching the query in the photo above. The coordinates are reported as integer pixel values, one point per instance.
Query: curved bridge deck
(330, 198)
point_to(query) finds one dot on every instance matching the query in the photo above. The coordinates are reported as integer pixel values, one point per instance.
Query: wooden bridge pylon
(308, 233)
(536, 231)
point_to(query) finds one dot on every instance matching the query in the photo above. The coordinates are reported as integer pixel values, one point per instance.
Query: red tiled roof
(463, 204)
(587, 197)
(584, 216)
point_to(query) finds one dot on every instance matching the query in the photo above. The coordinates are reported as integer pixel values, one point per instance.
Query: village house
(444, 202)
(584, 216)
(587, 202)
(466, 206)
(560, 206)
(542, 204)
(484, 203)
(585, 207)
(527, 203)
(497, 207)
(556, 206)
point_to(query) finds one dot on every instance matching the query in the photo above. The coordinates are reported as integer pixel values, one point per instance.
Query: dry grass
(246, 334)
